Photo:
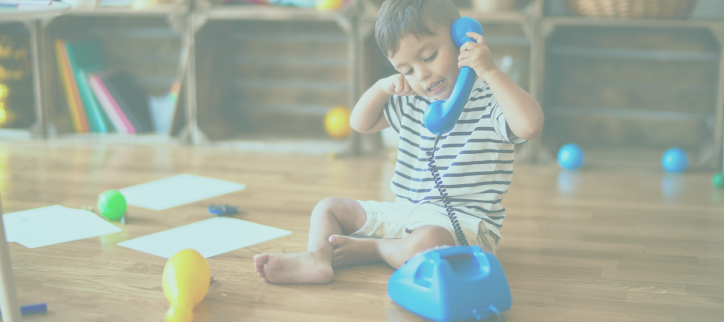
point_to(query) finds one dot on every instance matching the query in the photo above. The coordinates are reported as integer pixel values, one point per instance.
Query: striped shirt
(475, 159)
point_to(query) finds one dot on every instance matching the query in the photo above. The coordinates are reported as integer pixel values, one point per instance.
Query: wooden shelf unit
(634, 84)
(21, 114)
(524, 34)
(280, 71)
(144, 42)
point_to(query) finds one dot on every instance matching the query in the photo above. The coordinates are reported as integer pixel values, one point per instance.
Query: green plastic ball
(718, 180)
(112, 204)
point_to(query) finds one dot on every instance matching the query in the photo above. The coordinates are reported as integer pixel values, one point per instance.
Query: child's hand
(397, 85)
(477, 56)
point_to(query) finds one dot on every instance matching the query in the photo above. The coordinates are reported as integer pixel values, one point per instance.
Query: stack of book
(100, 100)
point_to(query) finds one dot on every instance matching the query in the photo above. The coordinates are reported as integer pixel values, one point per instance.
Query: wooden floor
(596, 245)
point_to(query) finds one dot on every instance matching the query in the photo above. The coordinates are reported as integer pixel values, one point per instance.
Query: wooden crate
(650, 88)
(16, 75)
(144, 46)
(270, 78)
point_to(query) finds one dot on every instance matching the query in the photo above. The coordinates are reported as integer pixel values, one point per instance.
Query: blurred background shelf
(149, 139)
(155, 10)
(268, 13)
(19, 109)
(144, 44)
(634, 84)
(625, 23)
(280, 71)
(261, 74)
(15, 134)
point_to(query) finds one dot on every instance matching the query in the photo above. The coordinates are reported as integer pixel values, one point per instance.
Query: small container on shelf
(632, 9)
(493, 5)
(17, 109)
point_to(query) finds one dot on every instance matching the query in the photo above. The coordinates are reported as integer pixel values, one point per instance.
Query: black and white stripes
(475, 159)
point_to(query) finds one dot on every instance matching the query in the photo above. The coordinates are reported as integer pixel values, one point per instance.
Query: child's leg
(395, 252)
(331, 216)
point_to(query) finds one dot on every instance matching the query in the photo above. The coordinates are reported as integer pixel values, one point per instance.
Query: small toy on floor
(223, 210)
(674, 160)
(570, 156)
(38, 308)
(186, 279)
(336, 122)
(112, 204)
(718, 180)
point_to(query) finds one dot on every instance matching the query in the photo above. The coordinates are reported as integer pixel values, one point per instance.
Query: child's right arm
(368, 115)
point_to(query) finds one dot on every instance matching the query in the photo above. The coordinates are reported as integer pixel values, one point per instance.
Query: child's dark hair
(400, 18)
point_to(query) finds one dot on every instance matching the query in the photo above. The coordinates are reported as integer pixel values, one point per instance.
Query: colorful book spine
(77, 113)
(121, 101)
(109, 104)
(93, 111)
(92, 114)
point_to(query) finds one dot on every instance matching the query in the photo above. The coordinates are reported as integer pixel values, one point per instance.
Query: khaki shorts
(398, 219)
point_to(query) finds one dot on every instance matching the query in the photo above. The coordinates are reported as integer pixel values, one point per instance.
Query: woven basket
(632, 9)
(493, 5)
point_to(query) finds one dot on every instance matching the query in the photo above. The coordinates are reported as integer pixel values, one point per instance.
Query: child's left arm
(522, 112)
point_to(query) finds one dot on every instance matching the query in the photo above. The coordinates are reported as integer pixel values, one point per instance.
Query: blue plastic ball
(674, 160)
(570, 156)
(718, 180)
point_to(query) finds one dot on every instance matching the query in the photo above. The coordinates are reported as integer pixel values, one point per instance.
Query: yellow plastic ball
(186, 279)
(180, 314)
(326, 5)
(336, 122)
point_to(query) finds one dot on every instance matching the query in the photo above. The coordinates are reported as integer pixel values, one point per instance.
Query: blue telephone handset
(440, 116)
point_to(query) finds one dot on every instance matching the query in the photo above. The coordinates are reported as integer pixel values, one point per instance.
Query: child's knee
(326, 203)
(425, 237)
(325, 208)
(348, 213)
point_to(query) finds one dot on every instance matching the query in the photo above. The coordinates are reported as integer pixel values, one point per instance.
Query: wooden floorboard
(599, 244)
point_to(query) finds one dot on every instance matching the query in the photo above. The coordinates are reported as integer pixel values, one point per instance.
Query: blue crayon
(33, 309)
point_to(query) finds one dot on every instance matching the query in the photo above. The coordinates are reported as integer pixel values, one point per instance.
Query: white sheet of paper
(177, 190)
(209, 237)
(54, 225)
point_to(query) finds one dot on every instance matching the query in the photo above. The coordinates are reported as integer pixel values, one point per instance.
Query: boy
(475, 160)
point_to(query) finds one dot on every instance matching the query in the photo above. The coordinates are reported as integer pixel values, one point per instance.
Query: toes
(337, 240)
(260, 260)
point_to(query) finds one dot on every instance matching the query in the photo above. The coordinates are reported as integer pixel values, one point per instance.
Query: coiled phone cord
(443, 193)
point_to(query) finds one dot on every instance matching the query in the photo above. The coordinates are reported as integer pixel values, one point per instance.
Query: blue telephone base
(451, 284)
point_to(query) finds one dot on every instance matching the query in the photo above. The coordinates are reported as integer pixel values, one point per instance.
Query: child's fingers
(477, 37)
(465, 63)
(408, 88)
(467, 47)
(389, 84)
(465, 55)
(399, 85)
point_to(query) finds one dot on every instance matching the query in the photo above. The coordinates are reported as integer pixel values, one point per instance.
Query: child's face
(429, 64)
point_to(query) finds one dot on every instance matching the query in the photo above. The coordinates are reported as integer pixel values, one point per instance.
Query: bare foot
(302, 267)
(354, 251)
